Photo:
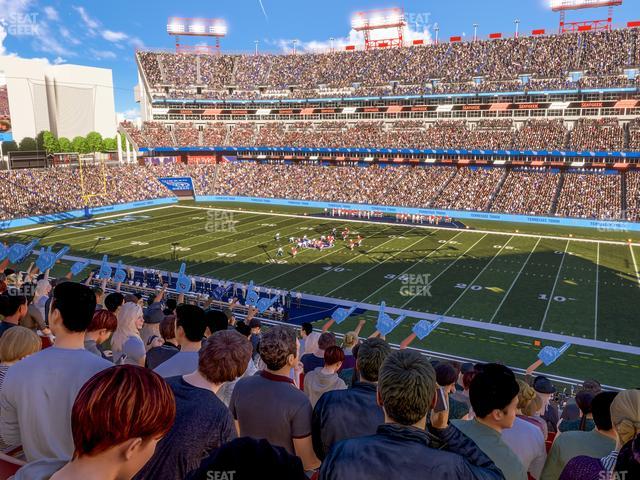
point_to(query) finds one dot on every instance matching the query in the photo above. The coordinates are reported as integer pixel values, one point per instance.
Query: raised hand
(105, 269)
(19, 252)
(47, 259)
(183, 284)
(120, 275)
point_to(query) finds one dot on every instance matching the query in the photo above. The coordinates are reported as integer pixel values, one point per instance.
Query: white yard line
(477, 277)
(386, 284)
(635, 265)
(376, 265)
(553, 289)
(428, 227)
(448, 267)
(595, 321)
(504, 299)
(75, 222)
(338, 266)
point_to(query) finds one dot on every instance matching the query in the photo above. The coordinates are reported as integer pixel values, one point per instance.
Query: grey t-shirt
(182, 363)
(272, 407)
(36, 400)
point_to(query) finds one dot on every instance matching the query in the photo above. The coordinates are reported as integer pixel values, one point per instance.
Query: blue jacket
(397, 451)
(343, 414)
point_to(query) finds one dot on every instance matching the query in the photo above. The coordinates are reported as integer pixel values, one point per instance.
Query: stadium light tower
(563, 6)
(517, 22)
(437, 29)
(197, 27)
(256, 42)
(384, 21)
(475, 32)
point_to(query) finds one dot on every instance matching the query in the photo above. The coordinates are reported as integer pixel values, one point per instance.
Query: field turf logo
(415, 285)
(218, 221)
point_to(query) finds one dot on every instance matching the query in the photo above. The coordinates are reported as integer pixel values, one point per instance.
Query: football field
(579, 287)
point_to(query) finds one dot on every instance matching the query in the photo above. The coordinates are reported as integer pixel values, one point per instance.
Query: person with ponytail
(126, 343)
(524, 437)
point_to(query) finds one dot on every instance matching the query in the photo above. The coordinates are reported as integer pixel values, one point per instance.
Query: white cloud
(112, 36)
(354, 38)
(69, 37)
(3, 35)
(133, 115)
(91, 24)
(51, 13)
(102, 54)
(59, 60)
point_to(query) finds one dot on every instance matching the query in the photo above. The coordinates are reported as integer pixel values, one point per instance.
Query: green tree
(27, 144)
(94, 142)
(109, 144)
(9, 146)
(79, 145)
(64, 145)
(40, 139)
(50, 142)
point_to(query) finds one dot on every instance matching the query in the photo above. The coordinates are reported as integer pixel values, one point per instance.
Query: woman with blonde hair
(126, 343)
(525, 438)
(16, 344)
(625, 423)
(529, 407)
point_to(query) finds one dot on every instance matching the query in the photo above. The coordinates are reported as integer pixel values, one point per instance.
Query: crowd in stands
(496, 134)
(590, 195)
(213, 393)
(435, 68)
(36, 192)
(526, 191)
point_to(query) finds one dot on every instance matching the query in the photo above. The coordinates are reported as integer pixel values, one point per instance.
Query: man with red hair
(117, 420)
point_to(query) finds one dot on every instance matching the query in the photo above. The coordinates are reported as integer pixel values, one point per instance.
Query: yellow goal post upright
(93, 177)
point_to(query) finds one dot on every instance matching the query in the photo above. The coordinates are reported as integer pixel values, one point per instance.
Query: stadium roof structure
(197, 27)
(384, 20)
(560, 5)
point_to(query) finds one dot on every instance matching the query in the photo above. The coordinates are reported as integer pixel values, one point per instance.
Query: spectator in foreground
(190, 327)
(268, 405)
(118, 418)
(524, 437)
(625, 423)
(585, 422)
(311, 361)
(113, 302)
(226, 390)
(203, 423)
(13, 306)
(267, 461)
(153, 315)
(401, 448)
(16, 344)
(545, 390)
(157, 355)
(325, 379)
(595, 443)
(446, 377)
(629, 459)
(102, 326)
(308, 339)
(494, 399)
(38, 392)
(342, 414)
(126, 343)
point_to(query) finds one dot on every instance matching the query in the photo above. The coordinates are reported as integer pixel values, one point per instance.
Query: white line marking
(595, 321)
(496, 338)
(428, 227)
(635, 265)
(585, 353)
(417, 263)
(523, 343)
(468, 333)
(515, 280)
(553, 289)
(470, 284)
(448, 267)
(617, 359)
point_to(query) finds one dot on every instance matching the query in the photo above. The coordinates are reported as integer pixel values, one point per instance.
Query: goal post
(93, 177)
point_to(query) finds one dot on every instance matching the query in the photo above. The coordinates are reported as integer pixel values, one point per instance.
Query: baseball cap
(543, 385)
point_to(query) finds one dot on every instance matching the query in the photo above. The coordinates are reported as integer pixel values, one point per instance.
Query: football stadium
(395, 252)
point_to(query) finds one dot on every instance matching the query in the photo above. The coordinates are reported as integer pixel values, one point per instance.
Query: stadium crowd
(495, 134)
(584, 194)
(493, 65)
(209, 393)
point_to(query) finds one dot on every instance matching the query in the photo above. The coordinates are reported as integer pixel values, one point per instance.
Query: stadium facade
(68, 100)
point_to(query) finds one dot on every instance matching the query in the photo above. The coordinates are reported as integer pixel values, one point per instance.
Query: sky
(106, 34)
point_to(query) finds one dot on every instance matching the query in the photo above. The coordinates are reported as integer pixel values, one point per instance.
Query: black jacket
(397, 451)
(343, 414)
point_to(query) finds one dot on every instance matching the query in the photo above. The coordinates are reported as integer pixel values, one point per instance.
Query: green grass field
(581, 287)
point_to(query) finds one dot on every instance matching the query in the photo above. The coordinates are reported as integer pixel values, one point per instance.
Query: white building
(68, 100)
